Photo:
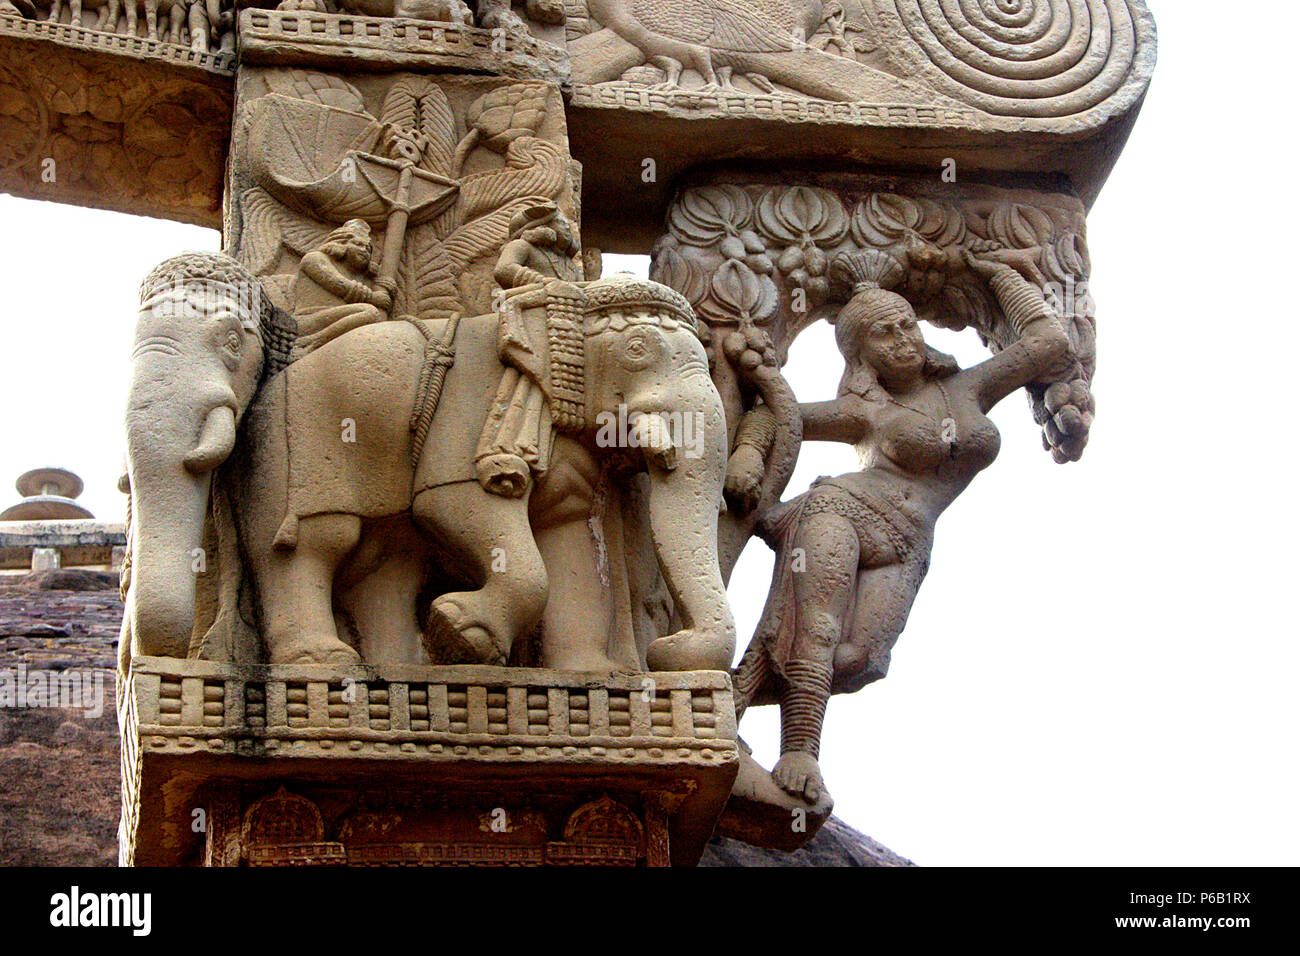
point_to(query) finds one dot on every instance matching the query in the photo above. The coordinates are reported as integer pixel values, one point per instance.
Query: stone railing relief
(204, 26)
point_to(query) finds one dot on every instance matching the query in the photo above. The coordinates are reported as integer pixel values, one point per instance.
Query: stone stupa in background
(48, 495)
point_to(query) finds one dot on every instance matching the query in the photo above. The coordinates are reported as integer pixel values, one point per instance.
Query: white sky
(1101, 666)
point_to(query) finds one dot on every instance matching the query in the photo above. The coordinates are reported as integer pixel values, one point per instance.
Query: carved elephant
(195, 365)
(334, 452)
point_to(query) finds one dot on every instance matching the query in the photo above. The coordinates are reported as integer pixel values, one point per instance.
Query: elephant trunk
(166, 555)
(172, 449)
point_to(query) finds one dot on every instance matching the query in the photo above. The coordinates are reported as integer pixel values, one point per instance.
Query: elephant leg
(685, 492)
(299, 623)
(176, 23)
(489, 539)
(382, 607)
(378, 590)
(198, 24)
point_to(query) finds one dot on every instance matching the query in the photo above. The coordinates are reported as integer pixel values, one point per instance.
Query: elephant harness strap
(439, 355)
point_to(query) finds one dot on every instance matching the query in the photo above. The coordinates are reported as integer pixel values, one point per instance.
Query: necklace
(947, 425)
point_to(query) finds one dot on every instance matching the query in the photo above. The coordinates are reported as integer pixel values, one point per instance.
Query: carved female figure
(852, 551)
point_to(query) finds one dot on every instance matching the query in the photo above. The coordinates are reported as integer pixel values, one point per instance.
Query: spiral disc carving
(1026, 58)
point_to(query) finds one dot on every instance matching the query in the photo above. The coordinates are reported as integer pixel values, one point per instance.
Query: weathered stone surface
(61, 803)
(80, 543)
(1043, 87)
(835, 844)
(539, 735)
(311, 39)
(112, 122)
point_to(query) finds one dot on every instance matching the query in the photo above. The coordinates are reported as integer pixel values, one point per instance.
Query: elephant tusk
(216, 441)
(651, 433)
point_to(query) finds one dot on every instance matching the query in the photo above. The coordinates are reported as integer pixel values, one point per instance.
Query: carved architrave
(1048, 86)
(113, 122)
(342, 41)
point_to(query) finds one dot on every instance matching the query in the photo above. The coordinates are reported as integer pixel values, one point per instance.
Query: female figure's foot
(799, 774)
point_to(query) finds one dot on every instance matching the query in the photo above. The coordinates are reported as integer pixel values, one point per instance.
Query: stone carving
(761, 257)
(500, 444)
(1034, 86)
(778, 47)
(760, 262)
(1031, 58)
(462, 190)
(309, 37)
(491, 13)
(143, 137)
(477, 505)
(416, 493)
(654, 764)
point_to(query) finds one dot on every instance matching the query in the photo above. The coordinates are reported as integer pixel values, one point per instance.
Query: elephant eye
(233, 342)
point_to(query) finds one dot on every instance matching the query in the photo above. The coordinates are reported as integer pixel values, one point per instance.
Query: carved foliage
(477, 158)
(765, 254)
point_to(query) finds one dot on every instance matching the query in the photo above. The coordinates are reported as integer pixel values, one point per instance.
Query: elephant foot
(690, 651)
(452, 637)
(324, 650)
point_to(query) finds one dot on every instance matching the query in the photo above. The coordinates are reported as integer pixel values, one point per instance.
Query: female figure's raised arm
(844, 419)
(1041, 351)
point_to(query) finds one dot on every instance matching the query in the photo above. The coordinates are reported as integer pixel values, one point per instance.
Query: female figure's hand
(1024, 261)
(745, 470)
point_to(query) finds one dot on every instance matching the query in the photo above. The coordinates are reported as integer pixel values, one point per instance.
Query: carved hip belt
(885, 534)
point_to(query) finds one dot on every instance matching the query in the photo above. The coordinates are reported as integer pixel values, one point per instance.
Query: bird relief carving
(823, 49)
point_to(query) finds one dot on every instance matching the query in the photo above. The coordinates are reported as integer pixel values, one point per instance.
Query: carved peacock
(714, 37)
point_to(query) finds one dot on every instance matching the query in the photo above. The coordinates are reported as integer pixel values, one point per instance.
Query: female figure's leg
(884, 600)
(826, 557)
